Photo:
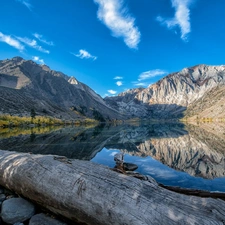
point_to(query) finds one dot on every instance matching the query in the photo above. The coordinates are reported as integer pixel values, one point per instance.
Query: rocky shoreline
(85, 191)
(19, 211)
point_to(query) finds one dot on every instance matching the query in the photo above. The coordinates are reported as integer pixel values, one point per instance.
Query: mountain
(26, 85)
(209, 106)
(171, 96)
(195, 92)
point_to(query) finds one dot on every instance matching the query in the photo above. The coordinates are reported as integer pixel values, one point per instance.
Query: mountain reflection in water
(173, 153)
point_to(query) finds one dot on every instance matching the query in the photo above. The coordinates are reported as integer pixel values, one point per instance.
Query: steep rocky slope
(209, 106)
(25, 85)
(172, 95)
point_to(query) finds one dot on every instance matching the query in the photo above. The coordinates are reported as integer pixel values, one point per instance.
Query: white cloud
(41, 39)
(83, 54)
(118, 78)
(33, 44)
(140, 84)
(181, 18)
(37, 59)
(112, 92)
(113, 153)
(116, 18)
(151, 73)
(119, 83)
(11, 41)
(26, 3)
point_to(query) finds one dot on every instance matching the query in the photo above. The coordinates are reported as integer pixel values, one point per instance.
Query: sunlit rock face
(171, 95)
(183, 87)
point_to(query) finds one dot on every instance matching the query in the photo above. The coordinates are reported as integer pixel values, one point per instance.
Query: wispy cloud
(37, 59)
(83, 54)
(113, 153)
(33, 44)
(42, 39)
(181, 17)
(116, 17)
(11, 41)
(119, 83)
(118, 78)
(140, 84)
(112, 92)
(26, 3)
(150, 74)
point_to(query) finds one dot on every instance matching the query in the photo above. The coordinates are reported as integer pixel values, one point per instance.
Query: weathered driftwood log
(195, 192)
(94, 194)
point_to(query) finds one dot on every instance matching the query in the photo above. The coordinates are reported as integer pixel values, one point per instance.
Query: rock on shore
(16, 210)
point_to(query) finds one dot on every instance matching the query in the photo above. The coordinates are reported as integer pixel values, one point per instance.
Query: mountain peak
(45, 67)
(73, 80)
(17, 59)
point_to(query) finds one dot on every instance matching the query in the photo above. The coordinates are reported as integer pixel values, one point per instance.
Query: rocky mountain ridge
(172, 95)
(189, 93)
(25, 84)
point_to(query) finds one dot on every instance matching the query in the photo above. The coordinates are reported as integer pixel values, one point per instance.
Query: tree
(32, 114)
(98, 116)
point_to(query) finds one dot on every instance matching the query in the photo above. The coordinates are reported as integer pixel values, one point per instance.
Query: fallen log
(195, 192)
(93, 194)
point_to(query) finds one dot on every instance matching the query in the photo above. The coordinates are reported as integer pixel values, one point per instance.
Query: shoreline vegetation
(12, 121)
(202, 118)
(7, 121)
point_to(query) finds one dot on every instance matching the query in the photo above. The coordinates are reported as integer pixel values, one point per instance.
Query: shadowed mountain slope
(25, 85)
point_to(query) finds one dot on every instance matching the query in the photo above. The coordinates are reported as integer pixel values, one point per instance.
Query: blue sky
(114, 45)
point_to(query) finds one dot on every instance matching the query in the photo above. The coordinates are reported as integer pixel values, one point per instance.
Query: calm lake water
(191, 156)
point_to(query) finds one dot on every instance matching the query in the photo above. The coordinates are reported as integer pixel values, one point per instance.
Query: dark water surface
(191, 156)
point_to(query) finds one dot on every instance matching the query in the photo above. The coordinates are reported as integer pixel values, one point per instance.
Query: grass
(15, 121)
(203, 119)
(16, 131)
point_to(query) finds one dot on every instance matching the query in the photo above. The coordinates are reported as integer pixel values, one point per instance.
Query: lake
(175, 154)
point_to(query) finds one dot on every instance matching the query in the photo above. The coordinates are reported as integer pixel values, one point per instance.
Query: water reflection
(173, 153)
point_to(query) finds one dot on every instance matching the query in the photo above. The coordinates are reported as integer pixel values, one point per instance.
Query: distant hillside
(209, 106)
(171, 96)
(25, 85)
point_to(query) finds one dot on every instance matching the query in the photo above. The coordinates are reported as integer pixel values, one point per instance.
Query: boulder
(129, 166)
(16, 210)
(2, 197)
(42, 219)
(1, 190)
(119, 157)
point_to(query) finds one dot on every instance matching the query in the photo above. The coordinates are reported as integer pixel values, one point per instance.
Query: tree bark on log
(91, 193)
